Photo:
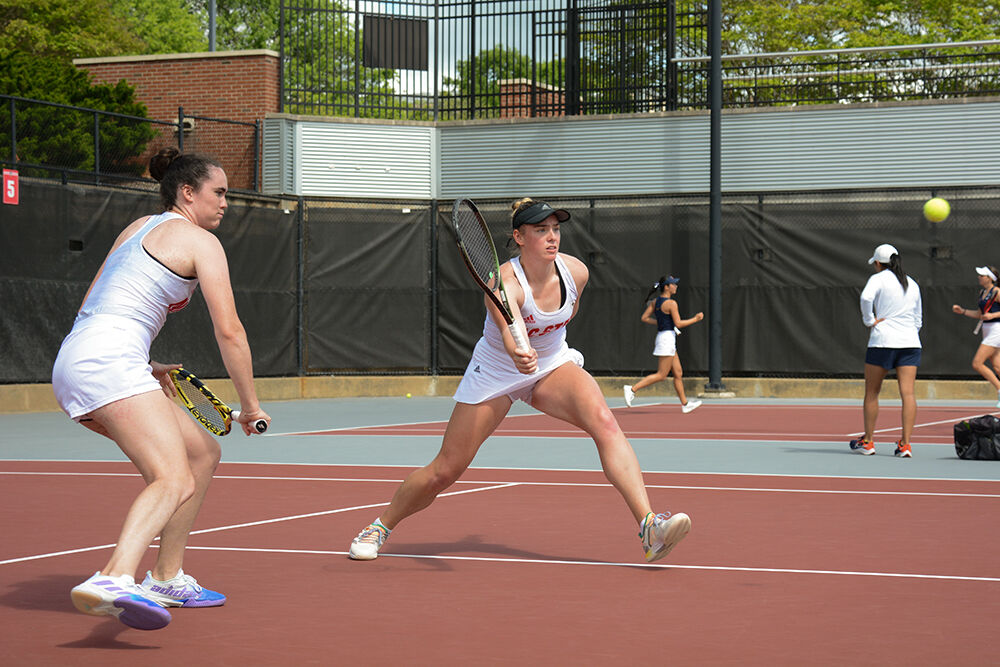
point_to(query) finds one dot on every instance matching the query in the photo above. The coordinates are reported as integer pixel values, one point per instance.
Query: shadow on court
(471, 544)
(46, 593)
(104, 635)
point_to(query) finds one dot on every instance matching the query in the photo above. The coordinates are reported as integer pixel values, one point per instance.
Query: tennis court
(800, 551)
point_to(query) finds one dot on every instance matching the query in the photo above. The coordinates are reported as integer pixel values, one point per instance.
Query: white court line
(500, 484)
(555, 561)
(253, 523)
(916, 426)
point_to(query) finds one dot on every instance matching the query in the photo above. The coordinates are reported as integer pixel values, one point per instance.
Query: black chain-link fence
(378, 287)
(50, 140)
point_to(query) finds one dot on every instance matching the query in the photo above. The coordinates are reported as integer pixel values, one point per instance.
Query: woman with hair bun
(103, 378)
(987, 311)
(544, 288)
(664, 313)
(892, 309)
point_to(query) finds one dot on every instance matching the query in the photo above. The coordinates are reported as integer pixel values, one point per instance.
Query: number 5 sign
(10, 194)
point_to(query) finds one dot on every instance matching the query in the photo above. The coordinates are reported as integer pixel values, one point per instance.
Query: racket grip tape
(260, 425)
(520, 341)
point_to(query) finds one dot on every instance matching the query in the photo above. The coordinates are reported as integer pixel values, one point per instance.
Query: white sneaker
(662, 532)
(690, 405)
(104, 595)
(181, 591)
(629, 395)
(366, 545)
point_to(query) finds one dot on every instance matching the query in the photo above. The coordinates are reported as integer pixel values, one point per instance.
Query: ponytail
(655, 289)
(896, 266)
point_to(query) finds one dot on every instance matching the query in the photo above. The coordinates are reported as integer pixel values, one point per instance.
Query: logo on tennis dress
(174, 307)
(476, 369)
(549, 329)
(530, 319)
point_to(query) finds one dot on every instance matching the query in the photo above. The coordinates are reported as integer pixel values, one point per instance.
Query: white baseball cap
(985, 271)
(883, 254)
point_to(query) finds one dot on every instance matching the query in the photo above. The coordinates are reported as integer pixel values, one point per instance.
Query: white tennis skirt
(666, 344)
(102, 360)
(491, 374)
(991, 333)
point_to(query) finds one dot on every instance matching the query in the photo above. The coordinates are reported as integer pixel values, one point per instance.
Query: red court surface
(769, 423)
(519, 567)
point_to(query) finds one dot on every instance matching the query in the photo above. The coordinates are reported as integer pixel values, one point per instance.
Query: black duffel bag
(978, 438)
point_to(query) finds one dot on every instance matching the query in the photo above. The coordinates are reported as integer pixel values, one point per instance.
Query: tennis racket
(207, 409)
(480, 255)
(986, 309)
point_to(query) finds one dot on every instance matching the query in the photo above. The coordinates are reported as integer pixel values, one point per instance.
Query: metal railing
(468, 59)
(53, 140)
(871, 74)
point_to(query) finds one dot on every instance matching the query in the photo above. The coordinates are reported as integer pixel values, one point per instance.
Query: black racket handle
(260, 425)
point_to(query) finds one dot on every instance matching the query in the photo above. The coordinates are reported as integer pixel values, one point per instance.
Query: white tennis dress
(492, 373)
(105, 357)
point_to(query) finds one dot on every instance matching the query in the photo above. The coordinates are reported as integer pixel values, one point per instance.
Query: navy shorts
(891, 357)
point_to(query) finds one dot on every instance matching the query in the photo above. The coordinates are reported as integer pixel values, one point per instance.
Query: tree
(480, 76)
(63, 29)
(64, 138)
(163, 26)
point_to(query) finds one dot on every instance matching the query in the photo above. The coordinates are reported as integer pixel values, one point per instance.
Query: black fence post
(13, 130)
(180, 129)
(433, 259)
(97, 147)
(257, 141)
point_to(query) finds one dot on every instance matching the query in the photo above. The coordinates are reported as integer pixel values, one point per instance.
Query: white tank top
(136, 286)
(546, 330)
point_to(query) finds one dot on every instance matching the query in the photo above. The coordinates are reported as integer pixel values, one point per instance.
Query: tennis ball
(409, 395)
(937, 209)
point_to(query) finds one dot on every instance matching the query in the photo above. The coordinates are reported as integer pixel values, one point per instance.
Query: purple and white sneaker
(104, 595)
(181, 591)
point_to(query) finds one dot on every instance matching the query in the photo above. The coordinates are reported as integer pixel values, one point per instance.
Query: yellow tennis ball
(937, 209)
(409, 395)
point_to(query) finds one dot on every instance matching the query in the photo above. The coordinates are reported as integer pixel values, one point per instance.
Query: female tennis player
(988, 311)
(544, 287)
(663, 312)
(891, 307)
(104, 380)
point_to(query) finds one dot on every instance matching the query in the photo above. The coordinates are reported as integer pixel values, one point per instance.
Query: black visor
(536, 213)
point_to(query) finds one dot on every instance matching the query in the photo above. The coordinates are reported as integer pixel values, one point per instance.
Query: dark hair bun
(159, 163)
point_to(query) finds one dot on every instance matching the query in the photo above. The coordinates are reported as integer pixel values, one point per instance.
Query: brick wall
(230, 85)
(521, 98)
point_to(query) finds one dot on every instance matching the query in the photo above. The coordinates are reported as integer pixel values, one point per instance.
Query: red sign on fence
(10, 187)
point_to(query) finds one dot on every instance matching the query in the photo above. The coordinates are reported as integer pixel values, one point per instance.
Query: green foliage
(63, 29)
(163, 26)
(48, 135)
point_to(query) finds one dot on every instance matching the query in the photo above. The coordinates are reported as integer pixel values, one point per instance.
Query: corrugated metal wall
(806, 148)
(369, 159)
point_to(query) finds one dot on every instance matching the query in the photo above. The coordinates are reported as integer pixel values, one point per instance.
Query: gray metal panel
(575, 157)
(899, 146)
(804, 148)
(364, 160)
(795, 149)
(278, 156)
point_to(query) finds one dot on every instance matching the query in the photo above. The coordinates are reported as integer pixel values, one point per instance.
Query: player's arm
(212, 270)
(526, 361)
(670, 308)
(647, 315)
(868, 295)
(959, 310)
